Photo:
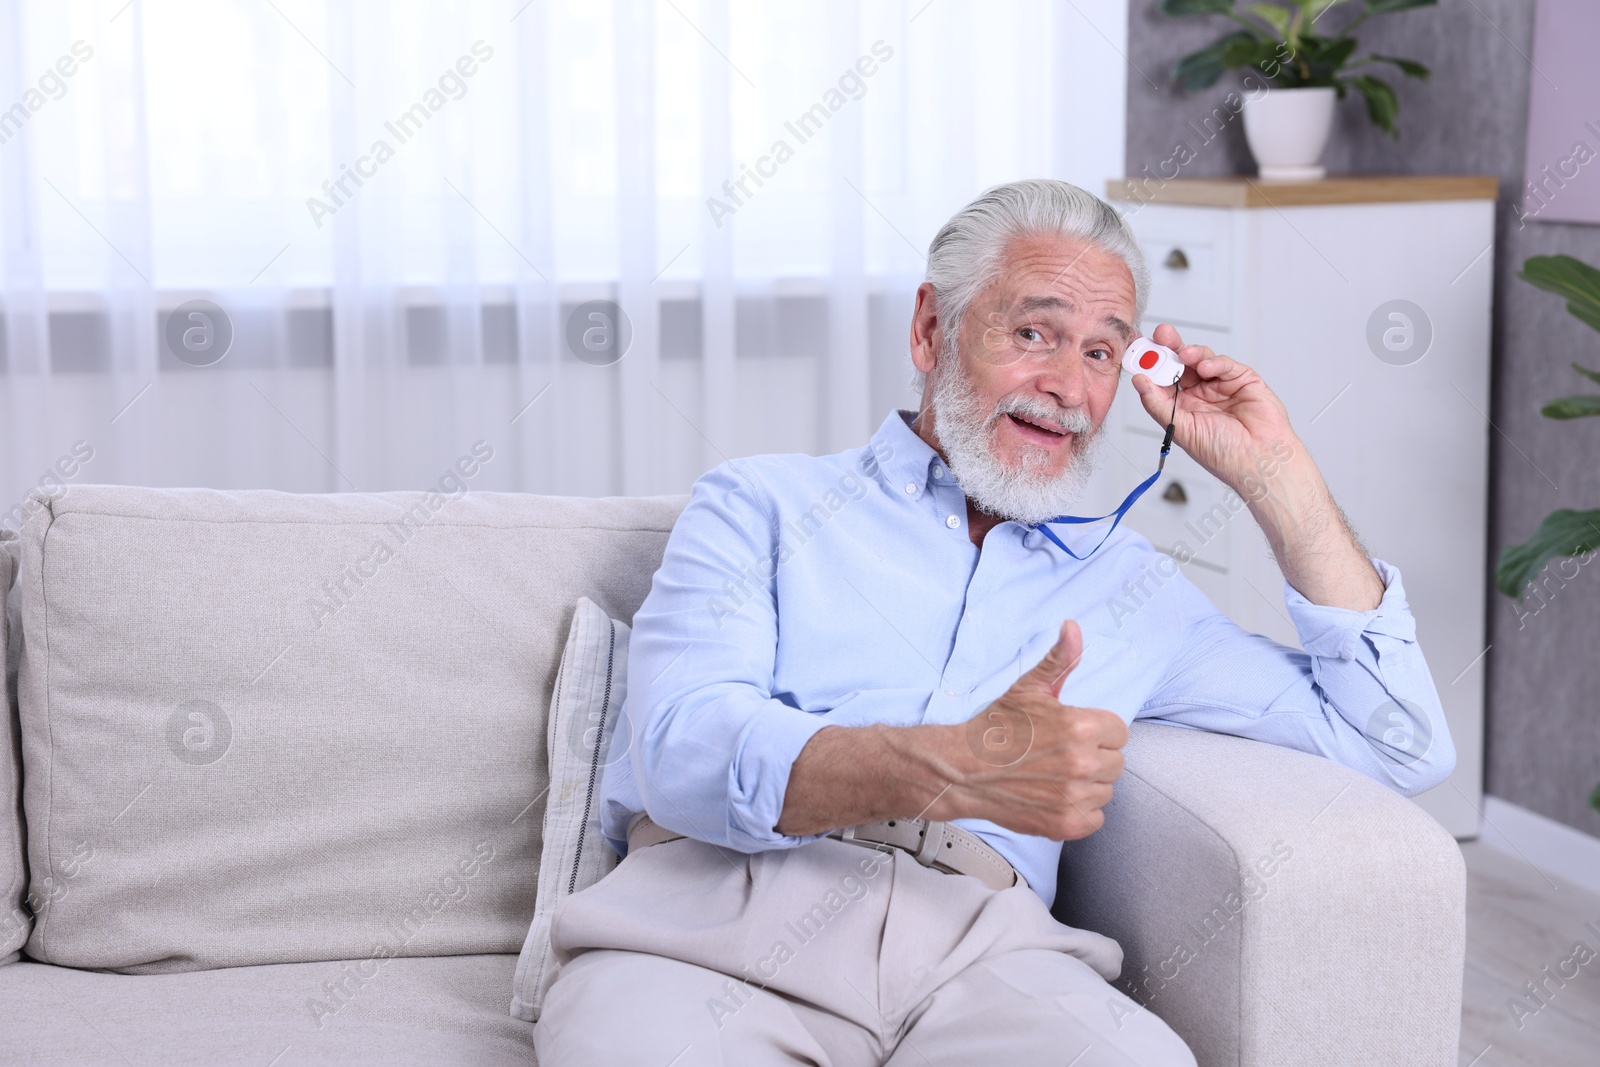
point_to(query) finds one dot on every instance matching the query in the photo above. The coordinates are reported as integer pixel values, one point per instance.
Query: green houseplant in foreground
(1277, 41)
(1563, 533)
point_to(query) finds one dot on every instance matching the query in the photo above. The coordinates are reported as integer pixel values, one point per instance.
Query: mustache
(1073, 420)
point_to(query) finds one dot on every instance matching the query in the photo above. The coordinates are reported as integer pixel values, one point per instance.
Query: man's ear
(925, 326)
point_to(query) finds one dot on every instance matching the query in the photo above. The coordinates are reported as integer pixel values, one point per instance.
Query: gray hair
(965, 254)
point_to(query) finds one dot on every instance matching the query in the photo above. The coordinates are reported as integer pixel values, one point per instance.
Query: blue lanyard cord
(1132, 498)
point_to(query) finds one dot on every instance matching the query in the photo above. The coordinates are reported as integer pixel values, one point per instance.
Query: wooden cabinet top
(1334, 189)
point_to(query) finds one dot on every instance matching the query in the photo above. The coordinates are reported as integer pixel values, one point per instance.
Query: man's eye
(1099, 354)
(1030, 335)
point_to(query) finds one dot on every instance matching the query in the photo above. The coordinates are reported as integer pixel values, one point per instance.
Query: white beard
(1026, 493)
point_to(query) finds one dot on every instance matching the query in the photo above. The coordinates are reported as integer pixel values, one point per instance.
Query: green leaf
(1282, 64)
(1587, 373)
(1572, 407)
(1273, 15)
(1185, 8)
(1325, 55)
(1409, 67)
(1200, 70)
(1568, 277)
(1562, 533)
(1386, 7)
(1248, 52)
(1594, 798)
(1382, 105)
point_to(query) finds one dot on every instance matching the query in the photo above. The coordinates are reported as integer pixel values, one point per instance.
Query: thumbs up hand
(1041, 767)
(1050, 672)
(1026, 762)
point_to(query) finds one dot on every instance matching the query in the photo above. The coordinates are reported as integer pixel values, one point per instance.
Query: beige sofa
(276, 781)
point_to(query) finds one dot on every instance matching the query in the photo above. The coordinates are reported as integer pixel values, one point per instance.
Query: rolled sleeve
(1337, 633)
(759, 777)
(1372, 673)
(714, 746)
(1361, 692)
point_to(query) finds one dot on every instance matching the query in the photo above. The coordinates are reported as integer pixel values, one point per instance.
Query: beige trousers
(833, 955)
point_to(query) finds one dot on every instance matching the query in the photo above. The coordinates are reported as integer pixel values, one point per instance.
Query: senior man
(890, 648)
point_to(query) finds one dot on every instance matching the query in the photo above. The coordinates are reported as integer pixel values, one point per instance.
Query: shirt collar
(905, 458)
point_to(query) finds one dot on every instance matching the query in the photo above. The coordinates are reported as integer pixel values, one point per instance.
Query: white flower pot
(1287, 130)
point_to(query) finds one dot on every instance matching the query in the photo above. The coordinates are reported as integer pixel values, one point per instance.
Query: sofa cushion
(260, 727)
(590, 688)
(16, 919)
(445, 1010)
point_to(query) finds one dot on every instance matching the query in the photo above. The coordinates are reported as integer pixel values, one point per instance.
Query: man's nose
(1063, 378)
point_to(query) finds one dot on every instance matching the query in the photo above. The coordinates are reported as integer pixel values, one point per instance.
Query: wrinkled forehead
(1098, 315)
(1058, 277)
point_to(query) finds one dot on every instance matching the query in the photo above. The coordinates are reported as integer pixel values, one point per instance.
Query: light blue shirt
(798, 592)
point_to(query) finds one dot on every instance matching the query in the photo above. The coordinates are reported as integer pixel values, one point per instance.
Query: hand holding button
(1225, 417)
(1158, 362)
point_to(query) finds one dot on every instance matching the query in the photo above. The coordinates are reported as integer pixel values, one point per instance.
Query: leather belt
(940, 845)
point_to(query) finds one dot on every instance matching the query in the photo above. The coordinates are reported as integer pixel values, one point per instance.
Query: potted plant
(1287, 123)
(1564, 533)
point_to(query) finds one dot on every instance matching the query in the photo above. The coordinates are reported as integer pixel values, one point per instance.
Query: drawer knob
(1176, 260)
(1175, 494)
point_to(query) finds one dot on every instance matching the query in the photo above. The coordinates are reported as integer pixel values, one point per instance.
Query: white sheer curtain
(399, 206)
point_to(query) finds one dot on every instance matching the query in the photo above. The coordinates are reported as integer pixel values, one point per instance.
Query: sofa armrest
(1274, 907)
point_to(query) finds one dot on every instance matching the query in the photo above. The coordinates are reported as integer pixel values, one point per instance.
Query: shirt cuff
(759, 776)
(1335, 633)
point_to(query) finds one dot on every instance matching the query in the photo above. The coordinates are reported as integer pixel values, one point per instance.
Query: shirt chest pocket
(1107, 676)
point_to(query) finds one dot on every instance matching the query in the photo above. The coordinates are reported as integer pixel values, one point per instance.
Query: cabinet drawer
(1189, 253)
(1187, 508)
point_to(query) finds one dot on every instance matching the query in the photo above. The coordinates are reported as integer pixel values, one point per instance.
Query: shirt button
(911, 487)
(949, 692)
(938, 471)
(952, 522)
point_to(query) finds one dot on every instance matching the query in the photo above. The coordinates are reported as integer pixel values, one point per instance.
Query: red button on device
(1148, 360)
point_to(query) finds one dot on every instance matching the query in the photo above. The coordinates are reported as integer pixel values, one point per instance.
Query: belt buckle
(848, 833)
(933, 839)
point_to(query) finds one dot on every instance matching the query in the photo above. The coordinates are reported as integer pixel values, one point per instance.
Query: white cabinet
(1300, 281)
